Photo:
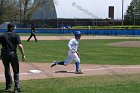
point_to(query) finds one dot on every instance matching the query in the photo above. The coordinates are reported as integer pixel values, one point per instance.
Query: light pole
(134, 19)
(122, 10)
(20, 12)
(1, 3)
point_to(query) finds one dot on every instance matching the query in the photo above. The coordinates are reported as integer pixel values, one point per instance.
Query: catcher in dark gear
(9, 41)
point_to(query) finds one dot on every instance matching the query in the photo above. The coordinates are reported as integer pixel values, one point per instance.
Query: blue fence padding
(22, 30)
(83, 31)
(2, 30)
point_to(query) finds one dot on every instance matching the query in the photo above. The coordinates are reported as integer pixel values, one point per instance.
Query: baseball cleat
(8, 90)
(53, 64)
(15, 91)
(79, 72)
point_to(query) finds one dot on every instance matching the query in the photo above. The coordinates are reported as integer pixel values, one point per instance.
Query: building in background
(63, 13)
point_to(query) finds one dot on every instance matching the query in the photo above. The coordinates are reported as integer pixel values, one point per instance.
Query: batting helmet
(77, 33)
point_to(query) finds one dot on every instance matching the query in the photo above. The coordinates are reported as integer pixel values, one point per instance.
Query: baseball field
(110, 65)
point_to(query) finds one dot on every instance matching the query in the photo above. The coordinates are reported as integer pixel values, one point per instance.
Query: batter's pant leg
(15, 67)
(77, 66)
(7, 73)
(60, 63)
(68, 60)
(74, 56)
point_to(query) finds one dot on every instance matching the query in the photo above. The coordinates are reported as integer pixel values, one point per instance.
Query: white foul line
(22, 74)
(111, 68)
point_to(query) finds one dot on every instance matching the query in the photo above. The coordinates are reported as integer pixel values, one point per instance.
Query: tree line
(132, 16)
(21, 10)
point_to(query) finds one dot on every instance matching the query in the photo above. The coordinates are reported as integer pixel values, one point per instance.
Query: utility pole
(1, 3)
(20, 12)
(122, 10)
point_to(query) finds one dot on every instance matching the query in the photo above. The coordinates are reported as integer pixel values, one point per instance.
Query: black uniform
(33, 31)
(9, 41)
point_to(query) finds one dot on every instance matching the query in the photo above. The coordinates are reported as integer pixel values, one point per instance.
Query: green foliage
(12, 10)
(133, 13)
(8, 10)
(106, 27)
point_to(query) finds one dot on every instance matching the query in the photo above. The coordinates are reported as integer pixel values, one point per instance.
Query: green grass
(98, 52)
(107, 27)
(92, 52)
(91, 84)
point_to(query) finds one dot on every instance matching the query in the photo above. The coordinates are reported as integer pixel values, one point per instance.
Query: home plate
(34, 71)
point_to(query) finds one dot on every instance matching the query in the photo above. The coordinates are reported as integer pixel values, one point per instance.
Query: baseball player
(33, 31)
(72, 53)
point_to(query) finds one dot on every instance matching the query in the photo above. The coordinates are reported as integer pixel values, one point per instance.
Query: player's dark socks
(77, 66)
(60, 63)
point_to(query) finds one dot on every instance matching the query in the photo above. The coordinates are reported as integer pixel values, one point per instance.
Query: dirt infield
(127, 43)
(68, 71)
(61, 71)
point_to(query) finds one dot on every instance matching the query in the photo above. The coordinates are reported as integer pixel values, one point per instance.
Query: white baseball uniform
(73, 46)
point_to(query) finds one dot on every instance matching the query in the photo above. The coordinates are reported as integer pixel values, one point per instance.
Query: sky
(89, 8)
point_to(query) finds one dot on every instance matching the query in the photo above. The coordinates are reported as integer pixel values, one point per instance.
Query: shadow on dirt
(63, 72)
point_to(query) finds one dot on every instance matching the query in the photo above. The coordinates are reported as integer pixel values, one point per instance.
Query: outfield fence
(84, 31)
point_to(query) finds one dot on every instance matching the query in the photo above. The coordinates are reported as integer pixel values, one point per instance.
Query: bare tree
(27, 7)
(7, 9)
(19, 10)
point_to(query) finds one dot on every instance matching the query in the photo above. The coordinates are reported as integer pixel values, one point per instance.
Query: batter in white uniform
(72, 53)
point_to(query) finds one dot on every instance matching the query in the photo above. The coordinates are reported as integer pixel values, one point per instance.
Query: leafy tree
(12, 10)
(8, 9)
(132, 16)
